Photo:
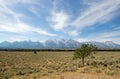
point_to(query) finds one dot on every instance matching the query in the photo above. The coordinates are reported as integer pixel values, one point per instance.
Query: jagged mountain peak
(109, 42)
(60, 43)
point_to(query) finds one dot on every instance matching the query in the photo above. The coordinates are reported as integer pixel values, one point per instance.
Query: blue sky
(40, 20)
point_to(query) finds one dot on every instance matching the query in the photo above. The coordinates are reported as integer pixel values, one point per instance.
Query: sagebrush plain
(58, 65)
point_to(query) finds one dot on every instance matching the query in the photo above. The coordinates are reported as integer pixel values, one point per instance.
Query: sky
(40, 20)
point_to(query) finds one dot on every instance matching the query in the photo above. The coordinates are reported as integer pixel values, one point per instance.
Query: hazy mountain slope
(61, 43)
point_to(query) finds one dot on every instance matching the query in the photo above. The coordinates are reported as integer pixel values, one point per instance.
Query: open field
(58, 65)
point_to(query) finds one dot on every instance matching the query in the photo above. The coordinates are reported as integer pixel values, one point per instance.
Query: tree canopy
(84, 51)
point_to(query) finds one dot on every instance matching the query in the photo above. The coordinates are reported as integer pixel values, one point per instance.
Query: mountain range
(61, 43)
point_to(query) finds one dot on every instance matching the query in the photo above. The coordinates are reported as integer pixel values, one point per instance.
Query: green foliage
(84, 51)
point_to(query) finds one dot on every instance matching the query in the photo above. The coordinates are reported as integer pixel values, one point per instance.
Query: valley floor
(58, 65)
(77, 75)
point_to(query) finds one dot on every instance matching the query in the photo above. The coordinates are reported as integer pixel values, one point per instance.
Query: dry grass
(58, 65)
(76, 75)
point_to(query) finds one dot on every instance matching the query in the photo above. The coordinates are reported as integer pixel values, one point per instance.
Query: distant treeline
(108, 49)
(54, 50)
(37, 50)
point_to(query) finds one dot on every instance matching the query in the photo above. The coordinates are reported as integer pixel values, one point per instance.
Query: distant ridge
(61, 43)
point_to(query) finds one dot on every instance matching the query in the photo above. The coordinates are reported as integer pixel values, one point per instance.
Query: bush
(86, 70)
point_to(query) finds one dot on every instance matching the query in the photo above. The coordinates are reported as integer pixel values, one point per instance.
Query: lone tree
(35, 52)
(84, 51)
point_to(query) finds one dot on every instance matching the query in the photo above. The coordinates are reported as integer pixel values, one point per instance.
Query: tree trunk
(83, 61)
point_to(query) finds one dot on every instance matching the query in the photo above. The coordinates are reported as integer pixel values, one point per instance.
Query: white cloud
(101, 37)
(41, 31)
(11, 2)
(73, 33)
(97, 13)
(22, 28)
(110, 34)
(34, 11)
(10, 20)
(59, 20)
(117, 28)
